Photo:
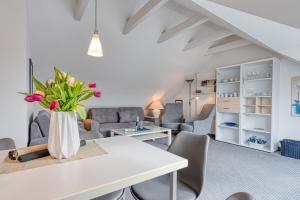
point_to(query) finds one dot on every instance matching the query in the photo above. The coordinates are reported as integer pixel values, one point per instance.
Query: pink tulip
(97, 94)
(29, 98)
(37, 97)
(53, 105)
(92, 85)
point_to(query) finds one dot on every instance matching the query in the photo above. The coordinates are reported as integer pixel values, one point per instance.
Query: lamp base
(156, 113)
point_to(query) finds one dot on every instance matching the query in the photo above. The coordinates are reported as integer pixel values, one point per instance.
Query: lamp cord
(96, 16)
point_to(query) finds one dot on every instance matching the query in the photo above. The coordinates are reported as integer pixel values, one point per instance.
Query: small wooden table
(153, 132)
(127, 162)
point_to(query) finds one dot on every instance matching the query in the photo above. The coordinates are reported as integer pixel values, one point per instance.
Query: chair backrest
(207, 111)
(7, 144)
(43, 121)
(173, 112)
(194, 148)
(241, 196)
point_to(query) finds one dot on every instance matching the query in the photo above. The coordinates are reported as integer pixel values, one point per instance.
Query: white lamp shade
(156, 105)
(95, 48)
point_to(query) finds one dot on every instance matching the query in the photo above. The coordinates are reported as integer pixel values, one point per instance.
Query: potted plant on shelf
(63, 96)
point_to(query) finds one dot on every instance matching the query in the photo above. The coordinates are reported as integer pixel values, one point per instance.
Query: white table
(153, 133)
(128, 162)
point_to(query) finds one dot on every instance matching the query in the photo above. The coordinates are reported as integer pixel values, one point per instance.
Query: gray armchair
(201, 124)
(173, 116)
(39, 129)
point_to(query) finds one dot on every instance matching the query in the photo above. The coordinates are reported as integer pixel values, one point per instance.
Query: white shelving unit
(247, 95)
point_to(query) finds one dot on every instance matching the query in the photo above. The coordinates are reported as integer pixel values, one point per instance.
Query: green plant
(63, 94)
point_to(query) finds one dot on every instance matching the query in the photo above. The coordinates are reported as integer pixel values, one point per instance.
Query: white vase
(63, 141)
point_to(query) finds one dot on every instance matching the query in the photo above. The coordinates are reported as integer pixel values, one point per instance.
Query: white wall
(13, 63)
(289, 127)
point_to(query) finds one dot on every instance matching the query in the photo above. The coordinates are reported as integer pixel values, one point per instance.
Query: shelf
(250, 105)
(258, 96)
(230, 127)
(259, 79)
(230, 82)
(259, 114)
(256, 130)
(257, 148)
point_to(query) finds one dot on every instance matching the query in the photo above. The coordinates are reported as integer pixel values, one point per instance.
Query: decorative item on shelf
(95, 48)
(232, 124)
(210, 84)
(257, 142)
(156, 106)
(296, 96)
(63, 96)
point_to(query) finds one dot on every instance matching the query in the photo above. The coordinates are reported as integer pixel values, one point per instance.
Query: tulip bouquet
(63, 94)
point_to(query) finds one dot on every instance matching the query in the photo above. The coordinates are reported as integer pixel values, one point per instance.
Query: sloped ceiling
(282, 11)
(280, 38)
(135, 68)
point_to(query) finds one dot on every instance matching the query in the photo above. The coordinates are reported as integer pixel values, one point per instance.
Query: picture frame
(295, 96)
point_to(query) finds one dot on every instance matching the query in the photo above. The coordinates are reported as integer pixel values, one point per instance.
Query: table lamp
(156, 106)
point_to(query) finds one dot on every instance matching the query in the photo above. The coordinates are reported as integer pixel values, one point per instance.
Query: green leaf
(62, 93)
(81, 110)
(44, 104)
(38, 85)
(58, 75)
(67, 106)
(87, 96)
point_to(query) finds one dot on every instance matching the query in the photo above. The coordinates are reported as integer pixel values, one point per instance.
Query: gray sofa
(118, 117)
(39, 129)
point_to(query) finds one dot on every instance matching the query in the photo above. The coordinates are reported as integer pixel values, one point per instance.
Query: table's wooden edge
(126, 182)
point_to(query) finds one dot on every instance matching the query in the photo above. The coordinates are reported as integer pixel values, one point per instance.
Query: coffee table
(153, 132)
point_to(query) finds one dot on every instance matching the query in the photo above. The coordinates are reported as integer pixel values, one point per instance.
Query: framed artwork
(30, 76)
(296, 96)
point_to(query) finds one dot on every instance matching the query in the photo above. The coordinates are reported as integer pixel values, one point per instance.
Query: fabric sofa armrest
(88, 125)
(95, 125)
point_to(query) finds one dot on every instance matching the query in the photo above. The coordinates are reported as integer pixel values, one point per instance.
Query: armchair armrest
(202, 126)
(155, 120)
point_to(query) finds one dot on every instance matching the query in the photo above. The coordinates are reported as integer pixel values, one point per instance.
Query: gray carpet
(233, 169)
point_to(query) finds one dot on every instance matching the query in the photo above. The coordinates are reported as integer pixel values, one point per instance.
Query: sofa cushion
(139, 110)
(43, 120)
(128, 116)
(104, 115)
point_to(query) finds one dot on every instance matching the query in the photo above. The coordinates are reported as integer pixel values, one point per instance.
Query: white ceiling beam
(228, 46)
(191, 22)
(140, 15)
(208, 40)
(79, 8)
